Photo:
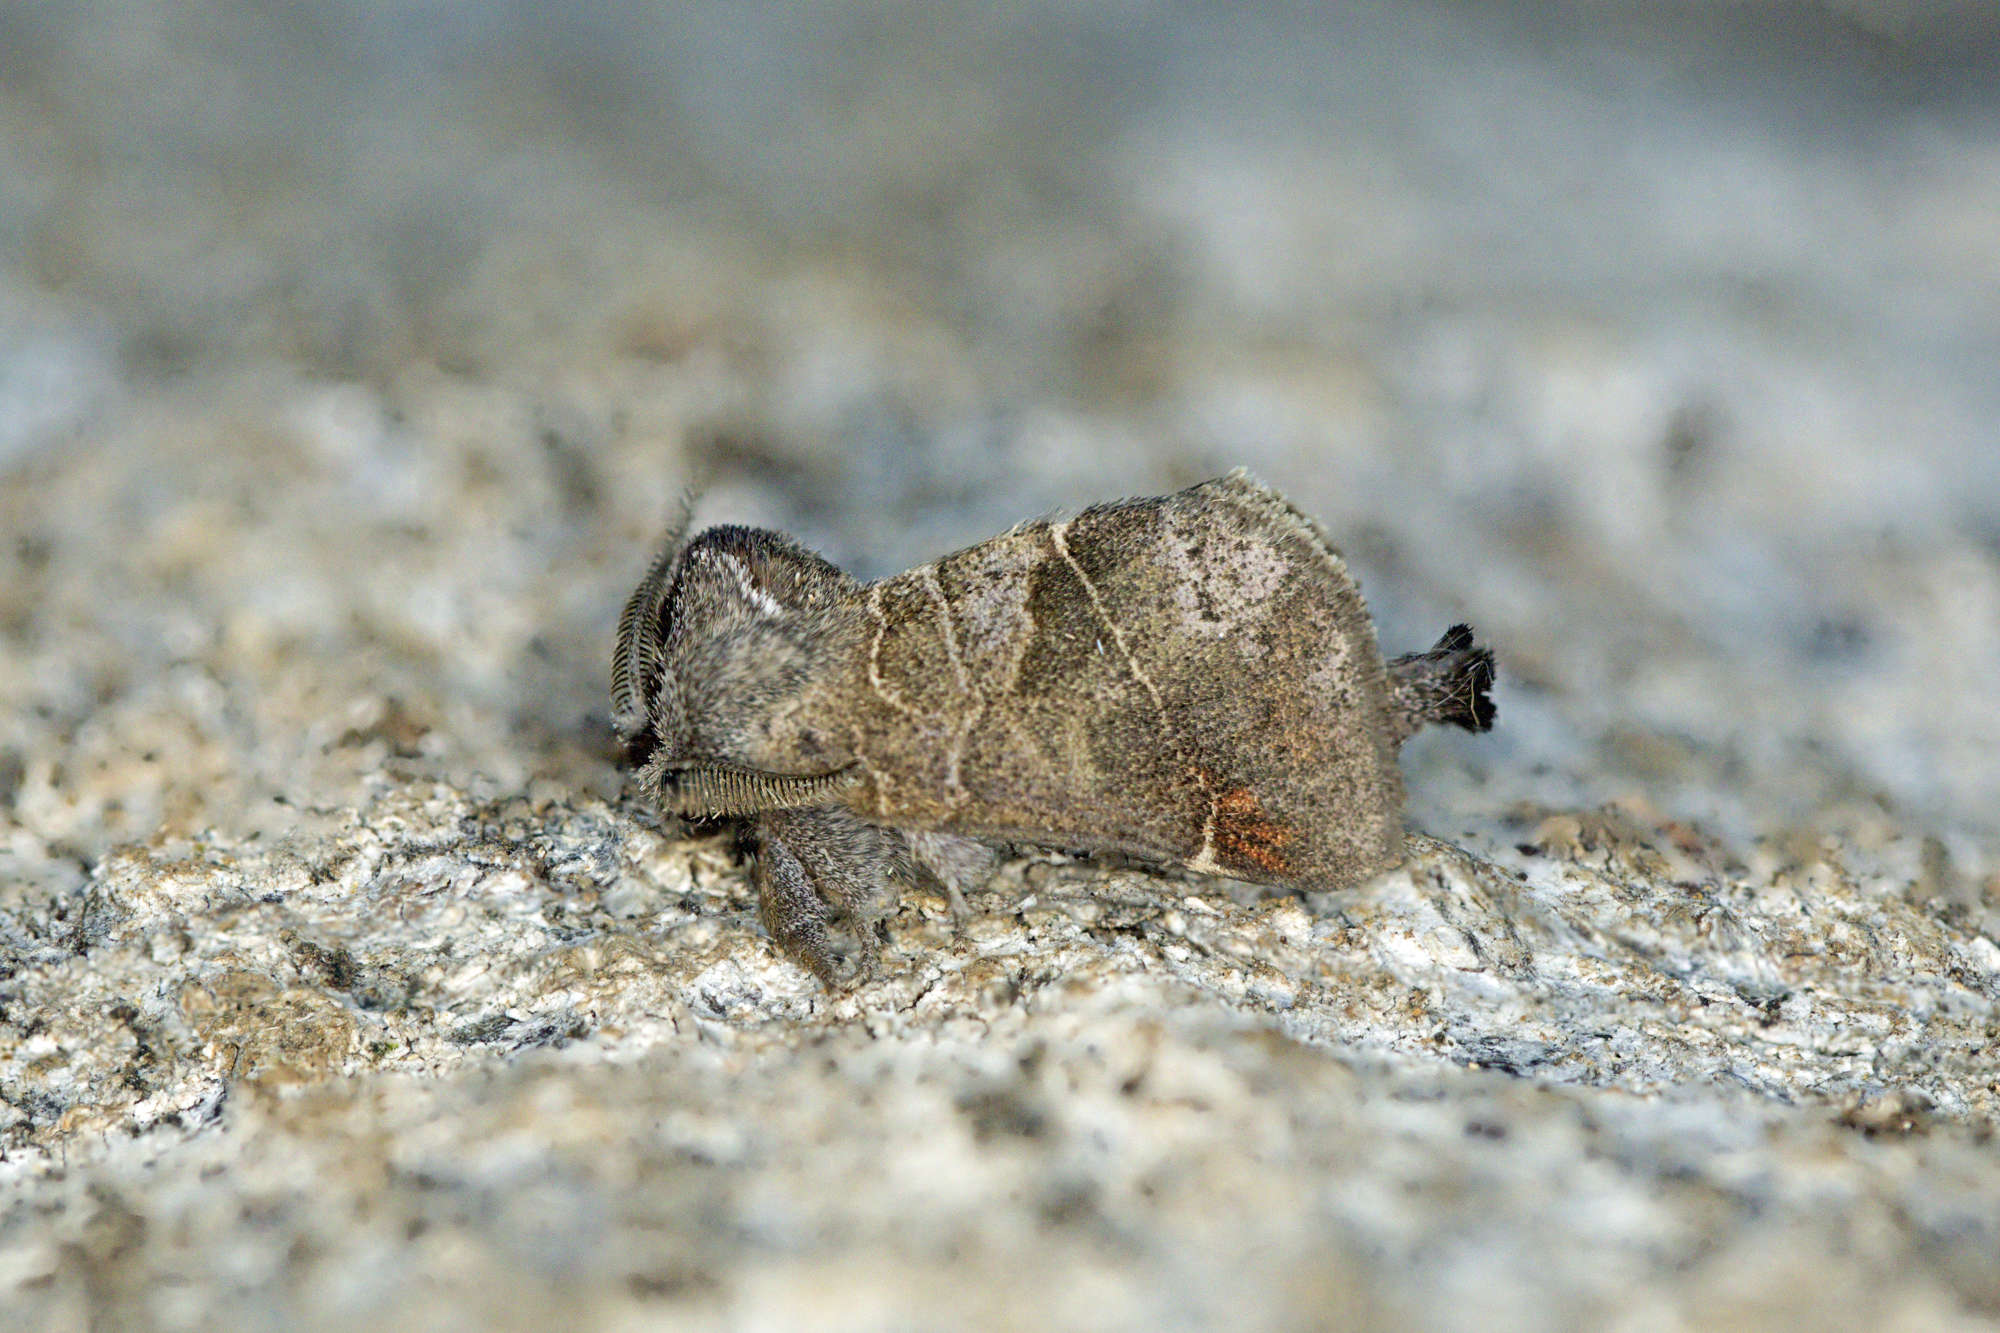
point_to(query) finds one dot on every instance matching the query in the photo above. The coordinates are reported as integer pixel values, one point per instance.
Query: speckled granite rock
(349, 364)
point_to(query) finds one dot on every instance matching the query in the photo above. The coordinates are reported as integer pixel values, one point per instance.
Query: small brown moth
(1191, 680)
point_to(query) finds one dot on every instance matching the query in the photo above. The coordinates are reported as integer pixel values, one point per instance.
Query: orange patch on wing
(1245, 837)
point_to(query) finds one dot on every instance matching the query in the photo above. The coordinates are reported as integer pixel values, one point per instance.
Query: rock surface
(350, 360)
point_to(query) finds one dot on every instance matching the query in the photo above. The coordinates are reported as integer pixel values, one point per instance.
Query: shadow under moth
(1190, 680)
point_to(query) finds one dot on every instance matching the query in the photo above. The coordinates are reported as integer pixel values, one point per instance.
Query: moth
(1190, 680)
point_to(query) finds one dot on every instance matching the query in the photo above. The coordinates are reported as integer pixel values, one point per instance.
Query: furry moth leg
(956, 864)
(821, 878)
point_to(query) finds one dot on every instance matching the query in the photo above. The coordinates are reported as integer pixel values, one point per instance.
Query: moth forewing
(1192, 679)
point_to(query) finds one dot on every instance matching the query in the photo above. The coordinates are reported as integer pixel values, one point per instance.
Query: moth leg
(955, 864)
(792, 912)
(820, 878)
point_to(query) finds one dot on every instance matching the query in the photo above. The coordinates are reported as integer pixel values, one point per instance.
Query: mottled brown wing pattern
(1129, 680)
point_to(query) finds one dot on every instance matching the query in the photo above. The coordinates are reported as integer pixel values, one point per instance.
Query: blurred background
(352, 356)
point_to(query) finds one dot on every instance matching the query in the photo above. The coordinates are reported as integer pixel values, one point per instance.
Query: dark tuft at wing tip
(1451, 683)
(1470, 692)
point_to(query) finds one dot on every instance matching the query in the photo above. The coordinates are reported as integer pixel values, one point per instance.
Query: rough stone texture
(351, 356)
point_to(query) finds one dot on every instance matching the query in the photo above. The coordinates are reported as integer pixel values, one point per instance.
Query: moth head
(724, 630)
